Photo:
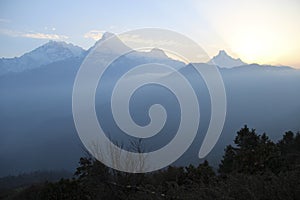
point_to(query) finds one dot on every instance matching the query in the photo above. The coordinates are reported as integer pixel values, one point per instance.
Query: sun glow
(260, 46)
(264, 32)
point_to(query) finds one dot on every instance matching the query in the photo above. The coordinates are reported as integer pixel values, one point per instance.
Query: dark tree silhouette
(253, 154)
(253, 168)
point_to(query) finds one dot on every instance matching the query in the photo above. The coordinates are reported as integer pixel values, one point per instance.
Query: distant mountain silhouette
(225, 61)
(37, 131)
(54, 51)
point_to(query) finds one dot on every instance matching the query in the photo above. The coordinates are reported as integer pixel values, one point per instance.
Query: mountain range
(37, 131)
(55, 51)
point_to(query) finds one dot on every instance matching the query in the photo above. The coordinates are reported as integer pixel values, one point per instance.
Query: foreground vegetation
(253, 168)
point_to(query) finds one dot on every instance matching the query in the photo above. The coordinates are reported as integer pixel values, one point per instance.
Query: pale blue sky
(262, 31)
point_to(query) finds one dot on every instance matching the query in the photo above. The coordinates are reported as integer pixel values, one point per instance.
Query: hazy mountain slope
(37, 131)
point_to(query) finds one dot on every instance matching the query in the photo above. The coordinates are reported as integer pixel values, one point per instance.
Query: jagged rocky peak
(159, 53)
(225, 61)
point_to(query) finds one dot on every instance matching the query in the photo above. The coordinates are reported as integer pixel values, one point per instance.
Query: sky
(257, 31)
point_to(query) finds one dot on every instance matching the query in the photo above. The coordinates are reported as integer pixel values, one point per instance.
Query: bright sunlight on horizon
(264, 32)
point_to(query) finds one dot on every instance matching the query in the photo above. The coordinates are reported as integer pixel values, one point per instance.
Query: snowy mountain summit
(225, 61)
(50, 52)
(54, 51)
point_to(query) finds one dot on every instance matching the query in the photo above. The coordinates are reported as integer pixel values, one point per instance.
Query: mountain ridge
(36, 109)
(54, 51)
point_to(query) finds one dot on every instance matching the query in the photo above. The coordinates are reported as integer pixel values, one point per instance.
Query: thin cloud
(33, 35)
(143, 41)
(45, 36)
(94, 34)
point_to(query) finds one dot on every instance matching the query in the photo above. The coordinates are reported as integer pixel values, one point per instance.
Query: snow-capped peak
(225, 61)
(76, 50)
(50, 52)
(105, 36)
(57, 47)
